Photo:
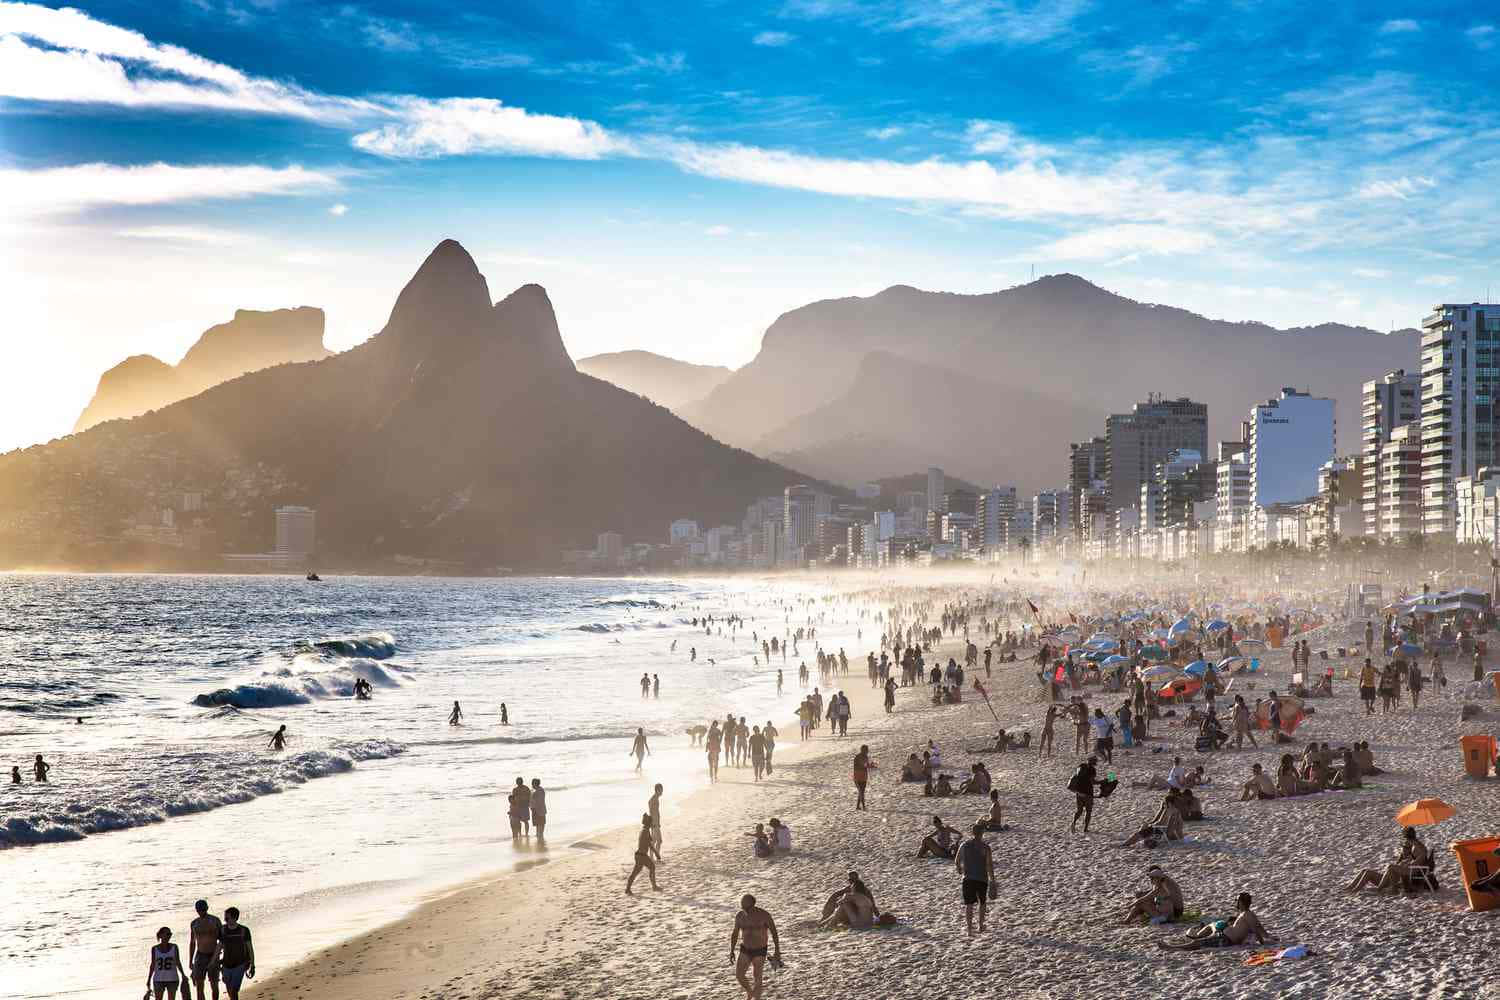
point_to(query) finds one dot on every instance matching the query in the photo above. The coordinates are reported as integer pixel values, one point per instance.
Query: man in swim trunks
(639, 749)
(757, 927)
(237, 954)
(1164, 900)
(203, 949)
(644, 848)
(653, 807)
(975, 862)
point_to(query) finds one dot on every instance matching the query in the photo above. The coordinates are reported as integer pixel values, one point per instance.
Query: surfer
(278, 739)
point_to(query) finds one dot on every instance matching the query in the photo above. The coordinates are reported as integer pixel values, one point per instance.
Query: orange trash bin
(1479, 754)
(1477, 859)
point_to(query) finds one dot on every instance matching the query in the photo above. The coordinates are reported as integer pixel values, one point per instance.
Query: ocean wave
(298, 683)
(375, 646)
(630, 602)
(181, 786)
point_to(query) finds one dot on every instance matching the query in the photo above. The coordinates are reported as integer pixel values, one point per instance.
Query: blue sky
(677, 176)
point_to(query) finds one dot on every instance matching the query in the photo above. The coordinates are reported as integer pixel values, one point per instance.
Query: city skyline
(677, 186)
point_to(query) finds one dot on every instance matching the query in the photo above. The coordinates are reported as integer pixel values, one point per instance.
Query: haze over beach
(799, 499)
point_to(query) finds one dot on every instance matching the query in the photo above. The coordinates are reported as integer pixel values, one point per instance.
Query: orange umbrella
(1423, 812)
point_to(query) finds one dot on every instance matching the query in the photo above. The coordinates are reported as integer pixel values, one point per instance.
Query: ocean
(166, 791)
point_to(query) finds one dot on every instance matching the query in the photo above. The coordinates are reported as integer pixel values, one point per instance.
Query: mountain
(1065, 344)
(461, 431)
(664, 380)
(250, 341)
(896, 408)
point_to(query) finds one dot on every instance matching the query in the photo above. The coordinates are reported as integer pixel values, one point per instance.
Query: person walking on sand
(456, 716)
(975, 862)
(278, 740)
(644, 848)
(520, 808)
(203, 949)
(538, 807)
(504, 715)
(759, 934)
(645, 686)
(1045, 748)
(639, 749)
(236, 954)
(862, 768)
(653, 809)
(164, 970)
(769, 732)
(1082, 786)
(778, 682)
(1242, 724)
(39, 769)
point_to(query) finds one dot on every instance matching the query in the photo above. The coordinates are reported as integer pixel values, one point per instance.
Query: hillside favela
(810, 499)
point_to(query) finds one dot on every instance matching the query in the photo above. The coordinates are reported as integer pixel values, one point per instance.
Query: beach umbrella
(1424, 812)
(1181, 625)
(1197, 668)
(1251, 645)
(1409, 649)
(1110, 661)
(1229, 662)
(1153, 653)
(1217, 625)
(1158, 671)
(1186, 686)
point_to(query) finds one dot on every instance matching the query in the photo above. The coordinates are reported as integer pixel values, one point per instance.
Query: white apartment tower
(1460, 377)
(1291, 436)
(1389, 402)
(296, 531)
(937, 489)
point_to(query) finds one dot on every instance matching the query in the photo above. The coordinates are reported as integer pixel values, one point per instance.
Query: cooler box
(1478, 860)
(1479, 753)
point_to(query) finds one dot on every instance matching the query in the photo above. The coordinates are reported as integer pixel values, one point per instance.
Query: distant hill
(251, 341)
(461, 431)
(897, 409)
(663, 380)
(916, 482)
(1060, 353)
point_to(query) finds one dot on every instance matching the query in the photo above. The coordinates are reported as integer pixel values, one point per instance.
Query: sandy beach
(564, 928)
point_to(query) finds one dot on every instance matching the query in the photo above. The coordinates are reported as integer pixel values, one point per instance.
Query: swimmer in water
(278, 739)
(639, 749)
(456, 716)
(504, 715)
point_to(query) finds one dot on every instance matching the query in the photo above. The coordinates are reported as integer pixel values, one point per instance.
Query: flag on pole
(980, 688)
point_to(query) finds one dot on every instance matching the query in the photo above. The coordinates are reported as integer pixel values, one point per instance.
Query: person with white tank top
(165, 970)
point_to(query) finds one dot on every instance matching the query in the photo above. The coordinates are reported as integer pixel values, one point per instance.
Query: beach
(565, 929)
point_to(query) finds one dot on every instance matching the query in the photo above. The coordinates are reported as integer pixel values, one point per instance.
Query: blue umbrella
(1410, 649)
(1196, 668)
(1110, 661)
(1218, 624)
(1181, 625)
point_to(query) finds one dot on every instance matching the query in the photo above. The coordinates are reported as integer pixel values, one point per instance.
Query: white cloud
(774, 39)
(889, 132)
(987, 138)
(338, 209)
(191, 235)
(1401, 188)
(1371, 272)
(67, 56)
(1482, 35)
(1437, 280)
(718, 231)
(1399, 26)
(464, 125)
(57, 190)
(1109, 242)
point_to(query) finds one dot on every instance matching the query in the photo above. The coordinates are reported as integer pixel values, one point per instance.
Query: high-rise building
(1176, 485)
(1291, 436)
(682, 531)
(1460, 381)
(296, 531)
(937, 488)
(1050, 515)
(1389, 401)
(610, 547)
(1400, 488)
(994, 517)
(799, 523)
(1138, 440)
(1088, 465)
(1232, 491)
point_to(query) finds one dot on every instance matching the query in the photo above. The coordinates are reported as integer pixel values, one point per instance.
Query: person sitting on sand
(1287, 781)
(1413, 854)
(978, 781)
(943, 788)
(1189, 805)
(994, 821)
(941, 842)
(1168, 821)
(1366, 759)
(761, 845)
(1260, 785)
(1162, 903)
(781, 835)
(913, 769)
(1348, 774)
(852, 906)
(1220, 933)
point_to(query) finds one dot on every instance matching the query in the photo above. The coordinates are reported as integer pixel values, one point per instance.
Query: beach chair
(1421, 878)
